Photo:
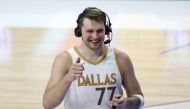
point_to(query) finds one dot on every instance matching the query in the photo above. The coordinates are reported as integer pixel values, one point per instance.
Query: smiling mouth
(94, 41)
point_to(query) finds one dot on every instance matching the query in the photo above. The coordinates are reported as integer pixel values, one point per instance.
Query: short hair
(93, 14)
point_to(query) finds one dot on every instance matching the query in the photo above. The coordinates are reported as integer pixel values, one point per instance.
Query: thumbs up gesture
(76, 70)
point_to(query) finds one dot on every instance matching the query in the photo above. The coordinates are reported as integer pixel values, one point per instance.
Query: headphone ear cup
(108, 30)
(78, 32)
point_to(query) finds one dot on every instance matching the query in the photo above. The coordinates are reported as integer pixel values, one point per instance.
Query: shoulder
(124, 61)
(63, 59)
(65, 56)
(122, 56)
(62, 56)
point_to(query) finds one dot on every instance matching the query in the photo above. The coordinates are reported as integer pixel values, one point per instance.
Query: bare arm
(130, 84)
(62, 74)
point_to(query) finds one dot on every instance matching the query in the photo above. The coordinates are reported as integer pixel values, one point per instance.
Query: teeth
(95, 41)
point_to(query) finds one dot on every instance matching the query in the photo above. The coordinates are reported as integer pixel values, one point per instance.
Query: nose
(95, 35)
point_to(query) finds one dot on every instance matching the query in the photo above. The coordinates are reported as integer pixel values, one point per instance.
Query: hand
(75, 71)
(118, 102)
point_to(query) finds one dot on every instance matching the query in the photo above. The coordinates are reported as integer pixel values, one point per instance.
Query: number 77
(102, 89)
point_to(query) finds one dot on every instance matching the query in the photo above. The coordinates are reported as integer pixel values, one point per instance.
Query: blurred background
(155, 34)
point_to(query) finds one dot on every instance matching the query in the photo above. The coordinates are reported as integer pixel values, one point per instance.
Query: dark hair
(93, 14)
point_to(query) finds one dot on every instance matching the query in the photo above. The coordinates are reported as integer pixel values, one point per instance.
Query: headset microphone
(107, 41)
(109, 38)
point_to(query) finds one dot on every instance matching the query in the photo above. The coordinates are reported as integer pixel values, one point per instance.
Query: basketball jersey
(100, 81)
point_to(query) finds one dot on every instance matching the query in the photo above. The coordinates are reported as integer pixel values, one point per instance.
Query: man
(91, 75)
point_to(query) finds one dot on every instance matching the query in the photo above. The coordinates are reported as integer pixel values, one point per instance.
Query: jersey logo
(95, 80)
(108, 62)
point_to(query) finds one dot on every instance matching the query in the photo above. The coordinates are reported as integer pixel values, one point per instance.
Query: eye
(89, 31)
(100, 31)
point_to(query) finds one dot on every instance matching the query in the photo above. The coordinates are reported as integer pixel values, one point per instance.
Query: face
(93, 33)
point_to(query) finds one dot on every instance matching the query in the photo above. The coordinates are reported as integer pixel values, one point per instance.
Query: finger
(77, 65)
(78, 68)
(77, 75)
(78, 60)
(121, 106)
(114, 105)
(109, 104)
(117, 96)
(121, 101)
(78, 72)
(117, 99)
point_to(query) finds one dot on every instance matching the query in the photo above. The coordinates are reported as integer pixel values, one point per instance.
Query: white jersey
(99, 82)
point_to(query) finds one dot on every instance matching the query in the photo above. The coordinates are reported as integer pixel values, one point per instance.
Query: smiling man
(91, 75)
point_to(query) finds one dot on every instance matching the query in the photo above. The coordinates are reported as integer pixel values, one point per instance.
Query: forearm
(56, 94)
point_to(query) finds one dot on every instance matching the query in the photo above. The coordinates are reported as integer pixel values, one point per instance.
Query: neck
(90, 53)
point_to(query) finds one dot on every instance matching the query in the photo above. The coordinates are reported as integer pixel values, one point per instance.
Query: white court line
(171, 105)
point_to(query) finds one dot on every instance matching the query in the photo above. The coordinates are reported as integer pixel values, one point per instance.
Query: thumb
(78, 60)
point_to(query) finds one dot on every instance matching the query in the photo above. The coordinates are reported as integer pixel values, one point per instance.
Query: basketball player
(91, 75)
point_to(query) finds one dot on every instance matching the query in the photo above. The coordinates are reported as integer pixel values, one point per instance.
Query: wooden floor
(161, 59)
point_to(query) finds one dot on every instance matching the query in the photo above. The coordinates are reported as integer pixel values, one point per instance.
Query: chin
(95, 47)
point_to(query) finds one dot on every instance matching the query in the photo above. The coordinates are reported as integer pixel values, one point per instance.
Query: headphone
(108, 29)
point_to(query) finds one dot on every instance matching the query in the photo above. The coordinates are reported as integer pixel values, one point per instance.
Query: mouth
(95, 42)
